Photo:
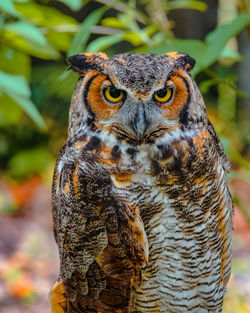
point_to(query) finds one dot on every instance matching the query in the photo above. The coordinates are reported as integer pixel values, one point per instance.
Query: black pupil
(115, 93)
(162, 93)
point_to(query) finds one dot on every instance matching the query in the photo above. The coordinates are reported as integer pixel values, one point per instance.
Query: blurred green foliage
(35, 88)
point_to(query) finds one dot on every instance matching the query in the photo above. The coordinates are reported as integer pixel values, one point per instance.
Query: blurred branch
(243, 8)
(60, 29)
(158, 15)
(219, 80)
(102, 30)
(105, 30)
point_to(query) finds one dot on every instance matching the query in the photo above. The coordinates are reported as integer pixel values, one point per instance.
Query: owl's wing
(226, 219)
(225, 162)
(101, 240)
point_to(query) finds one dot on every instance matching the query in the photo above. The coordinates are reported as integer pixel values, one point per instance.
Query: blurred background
(36, 37)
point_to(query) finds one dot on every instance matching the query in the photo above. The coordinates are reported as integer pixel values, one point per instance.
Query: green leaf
(239, 160)
(27, 31)
(15, 62)
(195, 48)
(113, 22)
(17, 88)
(43, 15)
(217, 39)
(191, 46)
(186, 4)
(150, 30)
(75, 5)
(61, 41)
(8, 7)
(10, 112)
(29, 107)
(226, 103)
(206, 84)
(226, 144)
(29, 39)
(104, 42)
(134, 38)
(14, 84)
(30, 162)
(81, 37)
(47, 53)
(2, 21)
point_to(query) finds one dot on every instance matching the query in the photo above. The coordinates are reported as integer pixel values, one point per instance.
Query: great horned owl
(141, 206)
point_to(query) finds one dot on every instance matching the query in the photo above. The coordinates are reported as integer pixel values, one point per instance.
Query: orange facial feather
(180, 97)
(174, 55)
(98, 54)
(99, 106)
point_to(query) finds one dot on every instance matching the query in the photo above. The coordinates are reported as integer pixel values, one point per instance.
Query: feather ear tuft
(87, 61)
(182, 59)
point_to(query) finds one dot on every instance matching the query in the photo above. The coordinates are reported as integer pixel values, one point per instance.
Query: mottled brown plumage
(141, 207)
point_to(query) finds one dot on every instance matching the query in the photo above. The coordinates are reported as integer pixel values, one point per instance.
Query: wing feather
(101, 239)
(225, 162)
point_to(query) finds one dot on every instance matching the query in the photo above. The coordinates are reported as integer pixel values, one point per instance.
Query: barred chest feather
(178, 183)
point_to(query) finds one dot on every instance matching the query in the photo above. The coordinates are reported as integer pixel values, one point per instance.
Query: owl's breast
(180, 189)
(129, 167)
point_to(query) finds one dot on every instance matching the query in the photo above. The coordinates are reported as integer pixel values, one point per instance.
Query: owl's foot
(58, 298)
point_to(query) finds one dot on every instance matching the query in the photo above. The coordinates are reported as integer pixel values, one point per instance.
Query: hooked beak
(139, 123)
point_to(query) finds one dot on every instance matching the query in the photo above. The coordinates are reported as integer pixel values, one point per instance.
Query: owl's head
(136, 96)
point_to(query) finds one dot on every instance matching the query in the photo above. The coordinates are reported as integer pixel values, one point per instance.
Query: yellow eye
(163, 95)
(113, 94)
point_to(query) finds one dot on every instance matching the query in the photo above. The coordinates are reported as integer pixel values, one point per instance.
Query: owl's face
(135, 96)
